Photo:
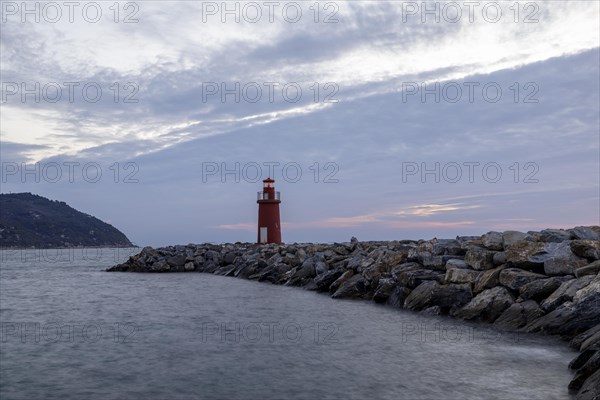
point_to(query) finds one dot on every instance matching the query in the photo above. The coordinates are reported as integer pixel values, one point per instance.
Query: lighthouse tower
(269, 226)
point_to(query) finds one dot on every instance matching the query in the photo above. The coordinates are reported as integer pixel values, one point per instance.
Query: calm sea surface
(70, 330)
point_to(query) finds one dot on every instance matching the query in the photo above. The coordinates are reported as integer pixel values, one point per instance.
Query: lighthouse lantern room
(269, 226)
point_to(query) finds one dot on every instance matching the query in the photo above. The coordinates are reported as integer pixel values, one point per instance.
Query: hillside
(28, 220)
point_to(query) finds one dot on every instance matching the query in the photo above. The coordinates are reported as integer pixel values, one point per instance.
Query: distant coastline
(30, 221)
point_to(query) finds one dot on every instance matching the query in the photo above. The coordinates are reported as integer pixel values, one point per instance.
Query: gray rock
(307, 270)
(457, 275)
(160, 266)
(585, 233)
(514, 278)
(526, 255)
(487, 305)
(339, 281)
(323, 281)
(480, 259)
(420, 297)
(434, 310)
(189, 266)
(540, 289)
(493, 241)
(510, 238)
(452, 296)
(591, 388)
(177, 261)
(488, 279)
(456, 263)
(554, 235)
(518, 315)
(560, 260)
(591, 365)
(353, 288)
(321, 267)
(573, 317)
(578, 341)
(384, 290)
(229, 258)
(589, 249)
(565, 292)
(590, 269)
(414, 277)
(398, 296)
(499, 258)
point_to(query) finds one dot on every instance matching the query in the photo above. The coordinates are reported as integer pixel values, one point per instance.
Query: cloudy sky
(382, 120)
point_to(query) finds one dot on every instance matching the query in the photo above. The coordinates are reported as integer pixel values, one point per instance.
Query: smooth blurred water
(70, 330)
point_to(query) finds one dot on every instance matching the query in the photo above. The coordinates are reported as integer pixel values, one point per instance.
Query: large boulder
(459, 275)
(339, 281)
(514, 278)
(488, 279)
(456, 263)
(540, 289)
(518, 315)
(384, 289)
(573, 317)
(480, 259)
(452, 296)
(398, 296)
(585, 232)
(487, 305)
(591, 388)
(591, 365)
(354, 288)
(565, 292)
(323, 281)
(554, 235)
(589, 249)
(560, 260)
(509, 238)
(526, 255)
(414, 277)
(493, 241)
(420, 297)
(590, 269)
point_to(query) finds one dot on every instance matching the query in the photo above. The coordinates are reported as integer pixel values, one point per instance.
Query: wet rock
(590, 269)
(398, 296)
(518, 315)
(487, 305)
(229, 258)
(591, 365)
(434, 310)
(582, 358)
(160, 266)
(565, 292)
(540, 289)
(420, 297)
(493, 241)
(456, 275)
(452, 296)
(591, 388)
(353, 288)
(384, 290)
(514, 278)
(323, 281)
(586, 339)
(573, 317)
(339, 281)
(480, 259)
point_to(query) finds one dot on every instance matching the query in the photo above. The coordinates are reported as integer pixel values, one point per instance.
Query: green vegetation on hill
(28, 220)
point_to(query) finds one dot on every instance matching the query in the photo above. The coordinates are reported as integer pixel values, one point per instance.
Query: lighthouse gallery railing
(265, 196)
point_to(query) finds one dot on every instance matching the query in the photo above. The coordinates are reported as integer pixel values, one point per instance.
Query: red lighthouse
(269, 226)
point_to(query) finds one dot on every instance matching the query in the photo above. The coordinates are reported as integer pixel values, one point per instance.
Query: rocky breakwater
(546, 282)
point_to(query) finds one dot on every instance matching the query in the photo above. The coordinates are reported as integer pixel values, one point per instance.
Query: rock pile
(547, 282)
